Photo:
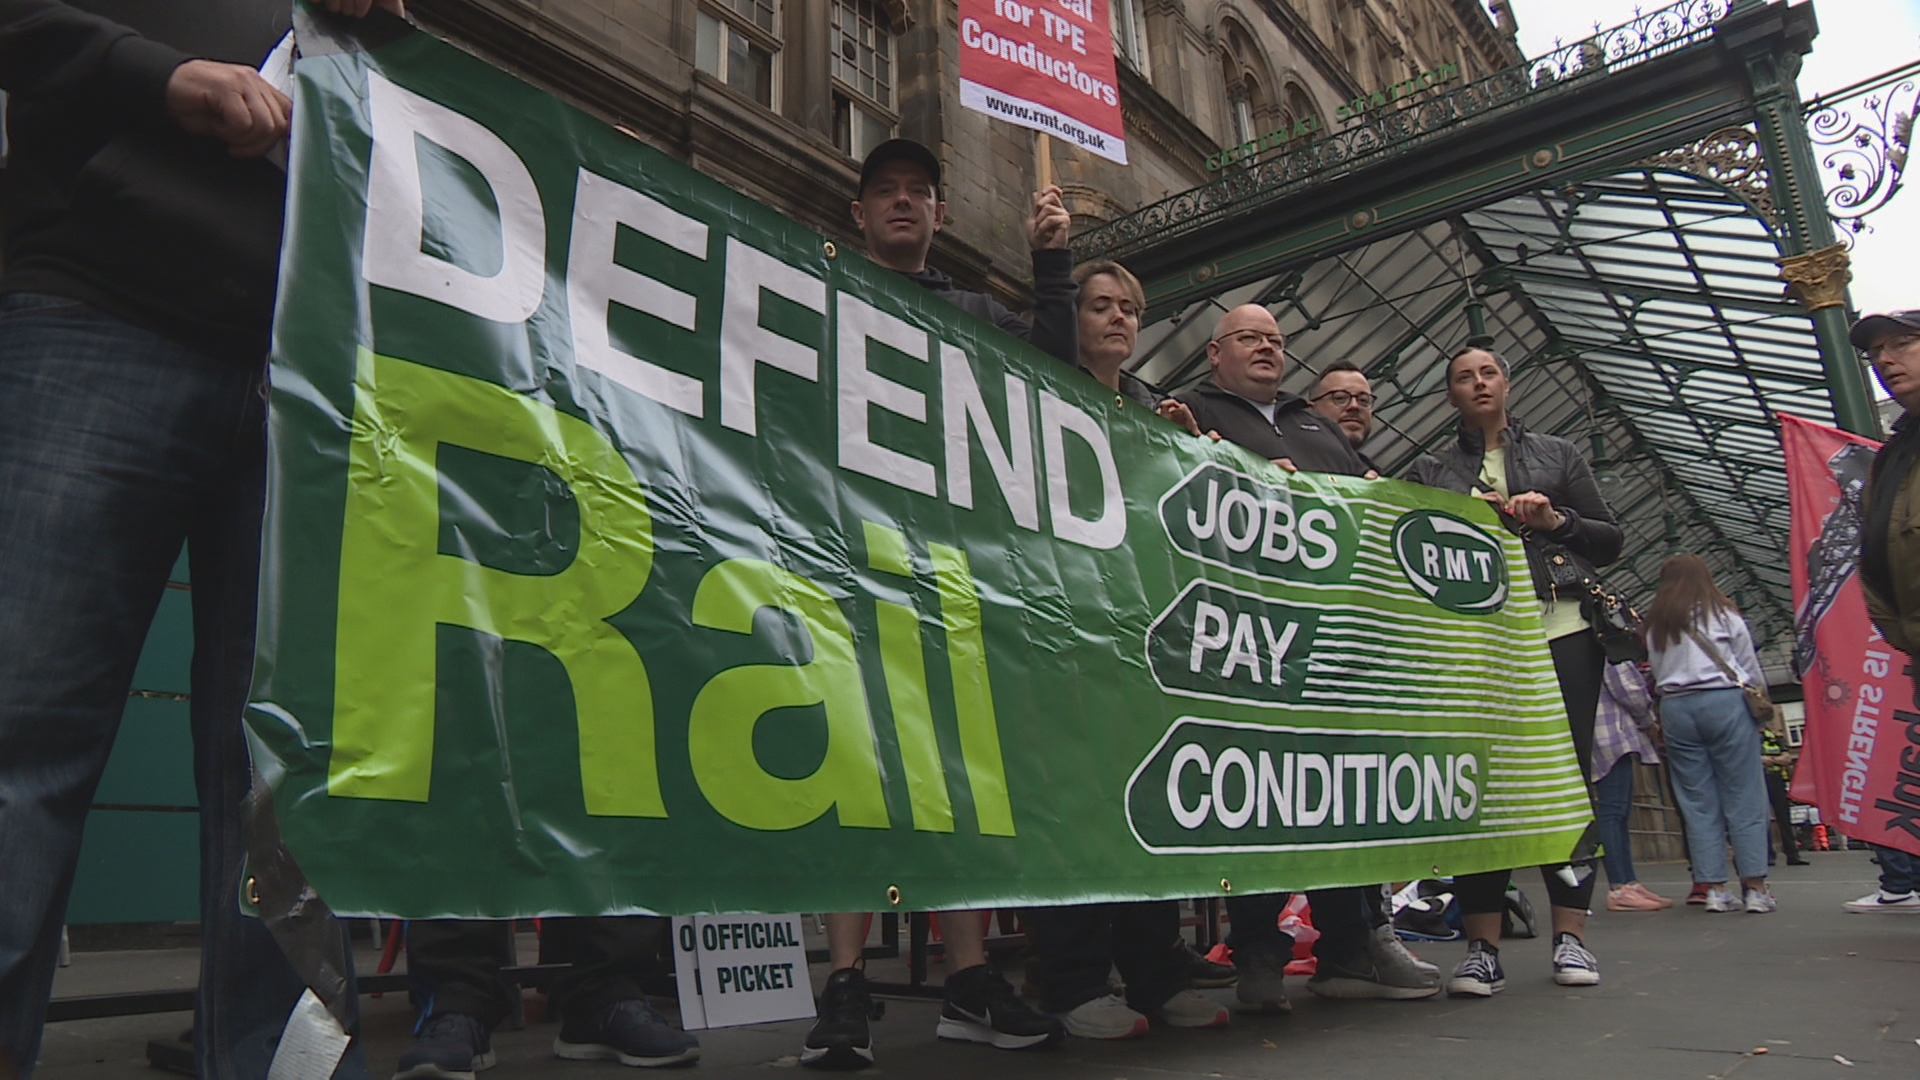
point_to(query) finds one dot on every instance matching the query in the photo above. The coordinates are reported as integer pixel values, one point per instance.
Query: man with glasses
(1343, 395)
(1358, 954)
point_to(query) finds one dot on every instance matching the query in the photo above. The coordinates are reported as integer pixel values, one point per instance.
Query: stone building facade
(780, 98)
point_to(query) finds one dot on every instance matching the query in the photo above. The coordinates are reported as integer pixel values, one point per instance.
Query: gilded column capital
(1817, 279)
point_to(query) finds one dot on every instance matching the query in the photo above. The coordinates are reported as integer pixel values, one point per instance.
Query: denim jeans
(1713, 756)
(1612, 803)
(1899, 871)
(117, 445)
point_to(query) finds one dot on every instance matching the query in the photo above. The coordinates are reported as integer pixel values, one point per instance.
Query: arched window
(1299, 115)
(1242, 67)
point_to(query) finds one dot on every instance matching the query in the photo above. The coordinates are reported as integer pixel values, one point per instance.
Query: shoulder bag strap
(1719, 660)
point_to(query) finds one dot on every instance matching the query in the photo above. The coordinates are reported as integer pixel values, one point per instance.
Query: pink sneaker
(1628, 898)
(1650, 894)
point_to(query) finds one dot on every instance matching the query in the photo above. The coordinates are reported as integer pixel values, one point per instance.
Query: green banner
(631, 548)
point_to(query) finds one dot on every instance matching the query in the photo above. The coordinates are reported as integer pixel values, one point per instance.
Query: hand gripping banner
(632, 549)
(1862, 729)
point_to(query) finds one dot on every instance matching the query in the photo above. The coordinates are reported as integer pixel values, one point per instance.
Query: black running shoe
(451, 1046)
(1202, 973)
(841, 1039)
(982, 1007)
(630, 1032)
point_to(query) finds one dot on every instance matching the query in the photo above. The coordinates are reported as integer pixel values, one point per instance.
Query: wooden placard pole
(1043, 159)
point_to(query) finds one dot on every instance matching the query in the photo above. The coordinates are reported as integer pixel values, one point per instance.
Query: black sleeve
(1426, 469)
(1055, 329)
(1202, 411)
(51, 50)
(1590, 529)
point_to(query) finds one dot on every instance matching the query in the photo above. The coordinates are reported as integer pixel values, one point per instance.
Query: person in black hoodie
(1358, 955)
(1543, 483)
(898, 209)
(142, 234)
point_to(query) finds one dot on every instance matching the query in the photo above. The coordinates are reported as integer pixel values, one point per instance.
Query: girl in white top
(1702, 655)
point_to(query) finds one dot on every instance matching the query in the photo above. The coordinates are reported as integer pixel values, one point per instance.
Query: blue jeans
(117, 445)
(1713, 755)
(1612, 803)
(1899, 871)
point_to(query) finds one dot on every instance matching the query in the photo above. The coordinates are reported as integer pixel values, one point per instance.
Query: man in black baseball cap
(898, 209)
(901, 205)
(1874, 327)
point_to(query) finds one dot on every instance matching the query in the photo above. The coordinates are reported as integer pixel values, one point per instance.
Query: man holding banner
(1890, 562)
(898, 209)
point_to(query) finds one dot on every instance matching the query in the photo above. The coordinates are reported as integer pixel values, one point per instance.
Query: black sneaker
(630, 1032)
(841, 1039)
(450, 1046)
(982, 1007)
(1479, 974)
(1202, 973)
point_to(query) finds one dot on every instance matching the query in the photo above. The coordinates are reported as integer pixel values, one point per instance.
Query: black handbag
(1615, 623)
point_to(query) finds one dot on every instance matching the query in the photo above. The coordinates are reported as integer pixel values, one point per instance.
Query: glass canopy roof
(1643, 316)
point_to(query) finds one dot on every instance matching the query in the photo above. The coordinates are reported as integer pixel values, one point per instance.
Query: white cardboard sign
(740, 969)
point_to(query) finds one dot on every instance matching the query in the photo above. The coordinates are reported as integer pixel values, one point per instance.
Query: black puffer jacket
(1547, 464)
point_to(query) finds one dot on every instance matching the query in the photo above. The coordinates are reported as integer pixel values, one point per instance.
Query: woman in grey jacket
(1544, 483)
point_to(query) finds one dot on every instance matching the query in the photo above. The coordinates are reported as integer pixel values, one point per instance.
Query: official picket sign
(1046, 65)
(740, 969)
(631, 548)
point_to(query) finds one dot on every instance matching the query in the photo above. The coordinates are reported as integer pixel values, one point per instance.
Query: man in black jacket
(1243, 403)
(898, 210)
(142, 234)
(1358, 954)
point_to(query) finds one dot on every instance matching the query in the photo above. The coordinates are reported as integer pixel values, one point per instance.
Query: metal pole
(1815, 266)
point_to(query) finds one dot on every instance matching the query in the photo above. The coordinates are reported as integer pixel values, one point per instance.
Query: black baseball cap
(1873, 326)
(899, 150)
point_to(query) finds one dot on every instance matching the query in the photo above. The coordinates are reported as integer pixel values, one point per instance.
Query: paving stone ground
(1684, 995)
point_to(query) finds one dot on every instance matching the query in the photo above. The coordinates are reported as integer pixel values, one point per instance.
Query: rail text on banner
(631, 549)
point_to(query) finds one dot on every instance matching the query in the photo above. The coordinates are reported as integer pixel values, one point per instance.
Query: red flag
(1861, 724)
(1047, 65)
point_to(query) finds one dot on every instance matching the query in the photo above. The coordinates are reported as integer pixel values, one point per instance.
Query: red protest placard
(1047, 65)
(1863, 726)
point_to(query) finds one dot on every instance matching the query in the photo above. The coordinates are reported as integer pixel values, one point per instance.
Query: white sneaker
(1105, 1017)
(1721, 898)
(1193, 1009)
(1761, 902)
(1882, 900)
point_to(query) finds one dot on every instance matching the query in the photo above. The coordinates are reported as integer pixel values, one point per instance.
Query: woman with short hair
(1702, 655)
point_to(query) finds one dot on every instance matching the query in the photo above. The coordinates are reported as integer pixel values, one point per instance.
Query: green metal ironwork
(1386, 132)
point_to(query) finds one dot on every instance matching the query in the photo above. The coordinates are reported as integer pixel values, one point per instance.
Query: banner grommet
(893, 895)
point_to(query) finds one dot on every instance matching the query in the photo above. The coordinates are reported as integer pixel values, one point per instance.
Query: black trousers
(1074, 946)
(1344, 916)
(1782, 816)
(454, 964)
(1580, 664)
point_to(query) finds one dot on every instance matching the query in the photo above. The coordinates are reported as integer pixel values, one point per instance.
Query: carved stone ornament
(898, 15)
(1817, 279)
(1730, 157)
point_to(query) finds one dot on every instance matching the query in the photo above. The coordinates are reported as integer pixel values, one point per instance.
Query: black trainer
(631, 1032)
(841, 1039)
(982, 1007)
(450, 1046)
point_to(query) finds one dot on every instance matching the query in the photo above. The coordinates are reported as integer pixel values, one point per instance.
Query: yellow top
(1560, 620)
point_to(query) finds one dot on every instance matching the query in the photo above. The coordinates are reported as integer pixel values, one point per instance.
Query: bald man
(1358, 953)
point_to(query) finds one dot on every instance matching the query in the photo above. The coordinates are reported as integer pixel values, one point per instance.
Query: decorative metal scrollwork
(1862, 135)
(1386, 131)
(1730, 157)
(1623, 46)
